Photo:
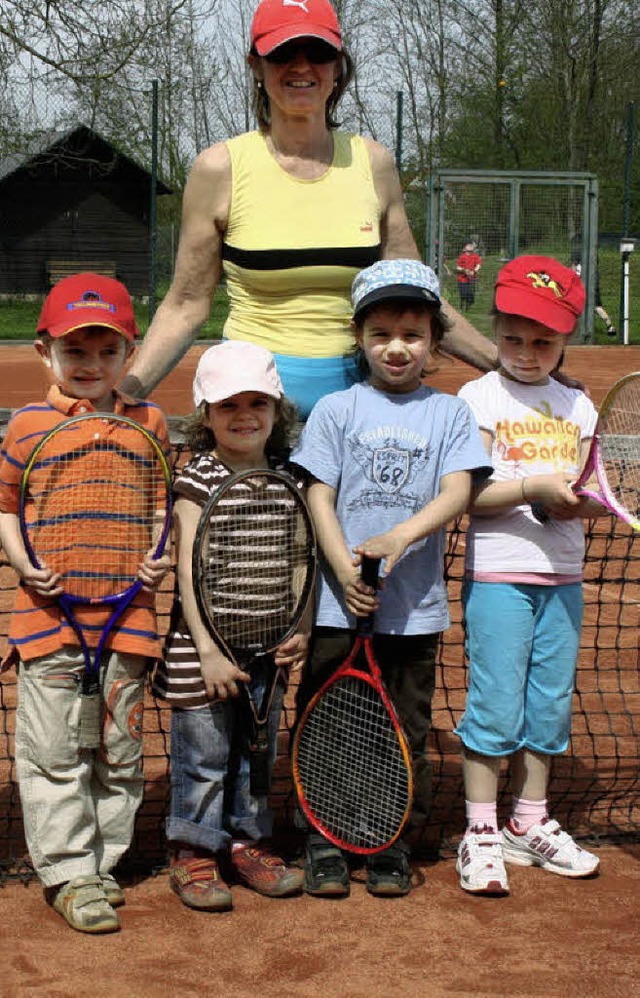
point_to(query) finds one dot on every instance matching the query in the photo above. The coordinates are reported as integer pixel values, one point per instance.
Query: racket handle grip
(259, 775)
(369, 569)
(90, 721)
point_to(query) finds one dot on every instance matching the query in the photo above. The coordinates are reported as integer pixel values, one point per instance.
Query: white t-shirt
(535, 430)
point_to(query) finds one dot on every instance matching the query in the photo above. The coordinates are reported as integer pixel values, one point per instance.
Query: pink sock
(481, 817)
(526, 813)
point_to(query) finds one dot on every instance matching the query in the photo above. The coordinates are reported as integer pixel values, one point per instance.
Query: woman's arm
(186, 307)
(463, 340)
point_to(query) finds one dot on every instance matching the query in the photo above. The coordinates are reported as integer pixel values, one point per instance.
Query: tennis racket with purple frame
(95, 498)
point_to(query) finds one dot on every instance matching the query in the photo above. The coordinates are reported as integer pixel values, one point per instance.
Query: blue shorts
(307, 379)
(522, 643)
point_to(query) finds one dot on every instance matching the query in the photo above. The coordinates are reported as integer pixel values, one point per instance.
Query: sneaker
(546, 845)
(389, 872)
(198, 884)
(611, 330)
(83, 904)
(480, 863)
(325, 870)
(113, 890)
(265, 872)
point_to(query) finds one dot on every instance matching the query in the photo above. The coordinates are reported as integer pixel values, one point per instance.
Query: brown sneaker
(84, 906)
(198, 884)
(264, 872)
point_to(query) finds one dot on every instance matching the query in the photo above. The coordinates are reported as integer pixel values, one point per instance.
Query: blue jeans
(522, 644)
(210, 798)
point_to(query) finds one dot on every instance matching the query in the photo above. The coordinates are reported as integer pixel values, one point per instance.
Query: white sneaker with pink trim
(545, 844)
(480, 864)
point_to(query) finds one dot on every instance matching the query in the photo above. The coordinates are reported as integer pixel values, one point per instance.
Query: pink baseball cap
(540, 288)
(87, 299)
(232, 367)
(278, 21)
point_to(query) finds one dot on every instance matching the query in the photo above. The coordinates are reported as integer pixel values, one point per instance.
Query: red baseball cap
(278, 21)
(540, 288)
(87, 300)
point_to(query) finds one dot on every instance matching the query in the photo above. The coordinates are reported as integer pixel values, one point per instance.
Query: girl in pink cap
(241, 421)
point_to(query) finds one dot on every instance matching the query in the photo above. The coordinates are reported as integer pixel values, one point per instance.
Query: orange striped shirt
(38, 627)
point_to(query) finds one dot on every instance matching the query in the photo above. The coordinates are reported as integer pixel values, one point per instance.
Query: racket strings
(255, 563)
(351, 765)
(93, 507)
(619, 445)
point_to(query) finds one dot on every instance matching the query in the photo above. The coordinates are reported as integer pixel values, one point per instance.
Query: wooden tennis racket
(254, 560)
(351, 761)
(614, 455)
(95, 498)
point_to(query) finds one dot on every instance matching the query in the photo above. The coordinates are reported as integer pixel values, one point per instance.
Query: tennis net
(595, 786)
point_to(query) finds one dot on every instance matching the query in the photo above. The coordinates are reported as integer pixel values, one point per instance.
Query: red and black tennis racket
(351, 761)
(254, 560)
(614, 455)
(95, 498)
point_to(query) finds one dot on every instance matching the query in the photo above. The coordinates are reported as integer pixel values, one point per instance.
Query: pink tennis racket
(614, 455)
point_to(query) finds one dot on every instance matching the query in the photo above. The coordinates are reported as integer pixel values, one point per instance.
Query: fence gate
(504, 214)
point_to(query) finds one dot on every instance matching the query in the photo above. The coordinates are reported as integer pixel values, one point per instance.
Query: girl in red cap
(523, 590)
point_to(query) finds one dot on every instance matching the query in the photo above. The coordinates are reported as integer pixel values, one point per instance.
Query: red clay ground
(551, 937)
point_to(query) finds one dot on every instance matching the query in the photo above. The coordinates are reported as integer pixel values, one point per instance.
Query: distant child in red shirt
(467, 266)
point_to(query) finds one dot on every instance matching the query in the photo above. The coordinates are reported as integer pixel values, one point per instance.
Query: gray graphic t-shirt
(384, 455)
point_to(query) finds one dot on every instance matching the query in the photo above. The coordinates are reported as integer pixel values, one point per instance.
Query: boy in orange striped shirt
(78, 805)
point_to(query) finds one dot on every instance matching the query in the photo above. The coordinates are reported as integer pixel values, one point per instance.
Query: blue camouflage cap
(389, 280)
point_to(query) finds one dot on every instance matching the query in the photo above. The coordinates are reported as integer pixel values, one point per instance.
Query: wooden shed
(73, 201)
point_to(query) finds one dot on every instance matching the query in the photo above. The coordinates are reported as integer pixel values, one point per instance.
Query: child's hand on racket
(292, 653)
(153, 570)
(388, 547)
(220, 675)
(362, 600)
(554, 492)
(43, 580)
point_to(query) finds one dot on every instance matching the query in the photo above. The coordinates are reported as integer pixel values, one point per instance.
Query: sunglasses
(313, 51)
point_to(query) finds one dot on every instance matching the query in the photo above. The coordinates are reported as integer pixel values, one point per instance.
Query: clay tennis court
(550, 937)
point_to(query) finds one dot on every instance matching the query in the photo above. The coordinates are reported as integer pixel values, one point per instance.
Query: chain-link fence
(478, 220)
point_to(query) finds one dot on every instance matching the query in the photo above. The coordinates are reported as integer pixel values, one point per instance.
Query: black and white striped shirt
(178, 678)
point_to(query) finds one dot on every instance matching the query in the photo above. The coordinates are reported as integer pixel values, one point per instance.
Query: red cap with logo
(87, 300)
(542, 289)
(278, 21)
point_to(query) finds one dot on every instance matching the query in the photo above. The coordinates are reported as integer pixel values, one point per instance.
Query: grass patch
(18, 318)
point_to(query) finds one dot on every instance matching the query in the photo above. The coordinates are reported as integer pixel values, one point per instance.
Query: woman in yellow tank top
(289, 214)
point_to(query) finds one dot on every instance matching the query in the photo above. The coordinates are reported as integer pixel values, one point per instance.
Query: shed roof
(48, 142)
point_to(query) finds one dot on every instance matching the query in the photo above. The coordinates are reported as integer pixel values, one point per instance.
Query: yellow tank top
(293, 247)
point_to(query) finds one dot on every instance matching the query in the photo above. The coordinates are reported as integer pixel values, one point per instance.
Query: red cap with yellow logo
(542, 289)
